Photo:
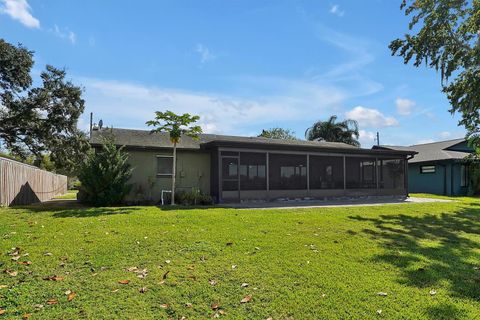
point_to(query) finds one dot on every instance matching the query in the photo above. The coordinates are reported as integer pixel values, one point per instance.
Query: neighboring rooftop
(434, 151)
(143, 139)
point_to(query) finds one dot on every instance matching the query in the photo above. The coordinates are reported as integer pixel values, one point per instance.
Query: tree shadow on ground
(76, 210)
(430, 250)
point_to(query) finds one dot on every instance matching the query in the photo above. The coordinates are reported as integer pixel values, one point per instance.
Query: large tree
(278, 133)
(40, 120)
(176, 126)
(445, 35)
(332, 131)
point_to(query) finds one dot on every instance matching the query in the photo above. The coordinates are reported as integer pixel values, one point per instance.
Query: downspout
(451, 179)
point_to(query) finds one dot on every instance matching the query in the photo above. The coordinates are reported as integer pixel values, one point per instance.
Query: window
(287, 172)
(463, 175)
(391, 173)
(326, 172)
(164, 165)
(229, 174)
(427, 169)
(253, 171)
(360, 173)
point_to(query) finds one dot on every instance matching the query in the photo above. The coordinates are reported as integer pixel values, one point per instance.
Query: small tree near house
(176, 126)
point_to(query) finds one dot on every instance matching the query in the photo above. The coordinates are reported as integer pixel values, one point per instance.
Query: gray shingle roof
(145, 139)
(434, 151)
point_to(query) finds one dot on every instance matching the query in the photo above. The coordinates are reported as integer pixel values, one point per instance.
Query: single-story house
(235, 169)
(438, 168)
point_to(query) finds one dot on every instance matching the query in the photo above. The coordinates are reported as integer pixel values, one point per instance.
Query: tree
(176, 126)
(35, 121)
(104, 176)
(446, 37)
(278, 133)
(332, 131)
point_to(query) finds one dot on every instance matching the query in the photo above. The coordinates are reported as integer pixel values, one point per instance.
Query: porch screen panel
(287, 172)
(253, 171)
(229, 174)
(391, 173)
(326, 172)
(360, 173)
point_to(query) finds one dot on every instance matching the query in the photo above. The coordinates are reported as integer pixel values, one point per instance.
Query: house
(235, 169)
(438, 168)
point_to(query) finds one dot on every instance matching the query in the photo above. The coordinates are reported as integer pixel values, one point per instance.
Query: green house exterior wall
(193, 172)
(445, 181)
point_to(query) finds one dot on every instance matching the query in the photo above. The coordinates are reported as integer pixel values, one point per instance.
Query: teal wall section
(193, 172)
(445, 181)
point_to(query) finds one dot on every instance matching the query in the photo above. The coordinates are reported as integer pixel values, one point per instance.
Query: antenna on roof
(377, 139)
(91, 124)
(100, 124)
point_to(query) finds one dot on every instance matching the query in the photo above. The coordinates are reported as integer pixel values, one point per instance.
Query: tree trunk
(174, 173)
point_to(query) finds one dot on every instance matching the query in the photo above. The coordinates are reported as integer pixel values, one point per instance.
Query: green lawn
(327, 263)
(70, 195)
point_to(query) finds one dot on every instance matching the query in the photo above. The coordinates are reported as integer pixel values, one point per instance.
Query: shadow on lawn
(431, 249)
(76, 210)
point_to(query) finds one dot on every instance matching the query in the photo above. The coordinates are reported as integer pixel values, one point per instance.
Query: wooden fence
(22, 184)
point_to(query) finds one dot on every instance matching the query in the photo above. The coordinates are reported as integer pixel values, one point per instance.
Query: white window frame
(431, 169)
(156, 166)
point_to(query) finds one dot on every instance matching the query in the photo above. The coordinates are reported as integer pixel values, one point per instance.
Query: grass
(70, 195)
(325, 263)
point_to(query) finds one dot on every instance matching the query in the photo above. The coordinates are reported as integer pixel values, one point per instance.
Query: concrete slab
(333, 203)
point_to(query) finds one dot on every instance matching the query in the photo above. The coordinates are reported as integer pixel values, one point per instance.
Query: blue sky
(241, 65)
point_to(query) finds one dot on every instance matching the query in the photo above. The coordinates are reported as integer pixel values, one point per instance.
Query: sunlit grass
(324, 263)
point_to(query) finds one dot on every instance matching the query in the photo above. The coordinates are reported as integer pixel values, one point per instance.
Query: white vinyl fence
(22, 184)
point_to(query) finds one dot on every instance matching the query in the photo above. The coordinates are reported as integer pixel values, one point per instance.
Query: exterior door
(230, 179)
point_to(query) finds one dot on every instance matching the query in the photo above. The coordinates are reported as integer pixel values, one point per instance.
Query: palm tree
(332, 131)
(176, 126)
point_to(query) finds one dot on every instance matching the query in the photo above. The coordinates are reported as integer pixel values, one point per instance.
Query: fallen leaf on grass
(26, 316)
(53, 278)
(38, 306)
(131, 269)
(234, 266)
(433, 292)
(48, 254)
(246, 299)
(11, 273)
(383, 294)
(71, 296)
(188, 305)
(212, 282)
(379, 311)
(115, 290)
(215, 306)
(52, 301)
(167, 261)
(25, 263)
(2, 311)
(164, 306)
(229, 243)
(143, 289)
(15, 258)
(165, 275)
(3, 286)
(244, 285)
(124, 281)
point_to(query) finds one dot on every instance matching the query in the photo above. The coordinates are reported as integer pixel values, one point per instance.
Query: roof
(434, 151)
(143, 139)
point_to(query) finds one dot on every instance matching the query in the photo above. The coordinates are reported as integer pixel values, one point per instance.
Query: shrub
(104, 176)
(195, 197)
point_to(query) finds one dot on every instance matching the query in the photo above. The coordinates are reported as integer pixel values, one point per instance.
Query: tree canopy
(332, 131)
(35, 121)
(278, 133)
(445, 35)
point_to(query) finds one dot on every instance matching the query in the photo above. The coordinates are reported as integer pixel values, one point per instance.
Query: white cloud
(129, 105)
(205, 54)
(370, 117)
(64, 34)
(20, 10)
(367, 138)
(445, 134)
(404, 106)
(335, 9)
(424, 141)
